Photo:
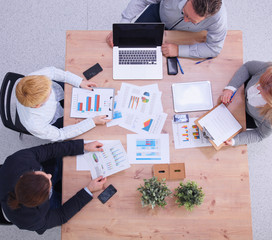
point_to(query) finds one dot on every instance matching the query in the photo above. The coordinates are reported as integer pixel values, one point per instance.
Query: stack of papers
(139, 109)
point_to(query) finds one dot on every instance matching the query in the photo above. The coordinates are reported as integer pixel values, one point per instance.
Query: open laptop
(137, 50)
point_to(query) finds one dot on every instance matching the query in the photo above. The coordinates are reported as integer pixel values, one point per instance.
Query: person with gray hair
(183, 15)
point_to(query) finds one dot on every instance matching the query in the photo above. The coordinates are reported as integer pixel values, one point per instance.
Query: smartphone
(107, 194)
(92, 71)
(172, 66)
(181, 118)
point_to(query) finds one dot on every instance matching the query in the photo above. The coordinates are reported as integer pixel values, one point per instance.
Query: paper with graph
(86, 103)
(144, 99)
(139, 109)
(188, 135)
(113, 159)
(148, 148)
(144, 123)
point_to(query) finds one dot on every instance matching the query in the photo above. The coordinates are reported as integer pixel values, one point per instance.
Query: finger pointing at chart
(93, 147)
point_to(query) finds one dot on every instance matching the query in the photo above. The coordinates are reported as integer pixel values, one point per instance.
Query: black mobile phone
(172, 66)
(107, 194)
(92, 71)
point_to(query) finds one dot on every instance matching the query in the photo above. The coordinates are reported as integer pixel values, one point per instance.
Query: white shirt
(254, 97)
(38, 120)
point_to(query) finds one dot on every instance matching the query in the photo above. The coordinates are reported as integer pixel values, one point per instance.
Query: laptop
(137, 50)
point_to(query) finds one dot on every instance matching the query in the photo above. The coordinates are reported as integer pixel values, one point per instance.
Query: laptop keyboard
(137, 57)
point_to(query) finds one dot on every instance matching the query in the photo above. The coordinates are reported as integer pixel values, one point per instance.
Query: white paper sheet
(87, 104)
(139, 109)
(144, 99)
(188, 135)
(117, 114)
(220, 124)
(138, 123)
(113, 159)
(148, 149)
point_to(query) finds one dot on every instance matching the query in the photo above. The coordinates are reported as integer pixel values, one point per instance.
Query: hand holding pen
(227, 96)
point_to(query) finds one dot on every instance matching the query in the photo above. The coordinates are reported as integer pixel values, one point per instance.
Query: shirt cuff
(125, 20)
(88, 191)
(184, 51)
(230, 88)
(233, 142)
(73, 79)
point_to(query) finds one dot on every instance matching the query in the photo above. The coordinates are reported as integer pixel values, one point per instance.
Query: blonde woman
(39, 102)
(257, 77)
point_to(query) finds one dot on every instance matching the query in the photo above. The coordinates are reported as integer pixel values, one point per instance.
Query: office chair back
(5, 104)
(3, 221)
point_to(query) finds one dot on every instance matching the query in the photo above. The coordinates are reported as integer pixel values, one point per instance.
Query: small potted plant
(189, 195)
(154, 192)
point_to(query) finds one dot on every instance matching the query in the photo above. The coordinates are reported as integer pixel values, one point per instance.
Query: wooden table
(223, 175)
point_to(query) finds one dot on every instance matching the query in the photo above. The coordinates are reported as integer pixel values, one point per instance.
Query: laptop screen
(138, 34)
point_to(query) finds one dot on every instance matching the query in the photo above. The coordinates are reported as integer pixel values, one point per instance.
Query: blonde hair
(266, 85)
(33, 90)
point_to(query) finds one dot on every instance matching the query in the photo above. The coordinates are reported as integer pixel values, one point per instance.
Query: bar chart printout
(87, 103)
(148, 148)
(188, 135)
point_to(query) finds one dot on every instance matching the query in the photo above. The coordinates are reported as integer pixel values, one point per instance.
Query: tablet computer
(192, 96)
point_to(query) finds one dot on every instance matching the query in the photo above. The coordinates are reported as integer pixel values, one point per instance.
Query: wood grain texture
(223, 175)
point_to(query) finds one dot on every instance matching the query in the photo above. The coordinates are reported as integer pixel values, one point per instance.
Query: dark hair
(204, 8)
(31, 190)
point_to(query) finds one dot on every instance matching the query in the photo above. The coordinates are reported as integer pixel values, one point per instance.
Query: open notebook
(219, 124)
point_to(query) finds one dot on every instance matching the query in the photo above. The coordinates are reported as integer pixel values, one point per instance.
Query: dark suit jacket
(39, 218)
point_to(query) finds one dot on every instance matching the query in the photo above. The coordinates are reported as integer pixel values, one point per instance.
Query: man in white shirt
(183, 15)
(39, 108)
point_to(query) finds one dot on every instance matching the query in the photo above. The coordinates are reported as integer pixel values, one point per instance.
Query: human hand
(225, 98)
(109, 39)
(93, 147)
(100, 120)
(87, 85)
(229, 142)
(96, 184)
(169, 50)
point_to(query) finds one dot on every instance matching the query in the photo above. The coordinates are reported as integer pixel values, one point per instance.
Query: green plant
(189, 195)
(154, 192)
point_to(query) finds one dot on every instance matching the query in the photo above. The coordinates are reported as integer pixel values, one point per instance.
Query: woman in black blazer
(25, 189)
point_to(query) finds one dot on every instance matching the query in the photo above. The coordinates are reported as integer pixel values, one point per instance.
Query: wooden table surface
(223, 175)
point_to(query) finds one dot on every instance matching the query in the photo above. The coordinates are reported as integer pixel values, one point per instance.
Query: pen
(227, 104)
(180, 66)
(204, 60)
(232, 96)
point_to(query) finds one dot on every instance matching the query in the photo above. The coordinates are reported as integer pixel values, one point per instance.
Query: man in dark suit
(26, 187)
